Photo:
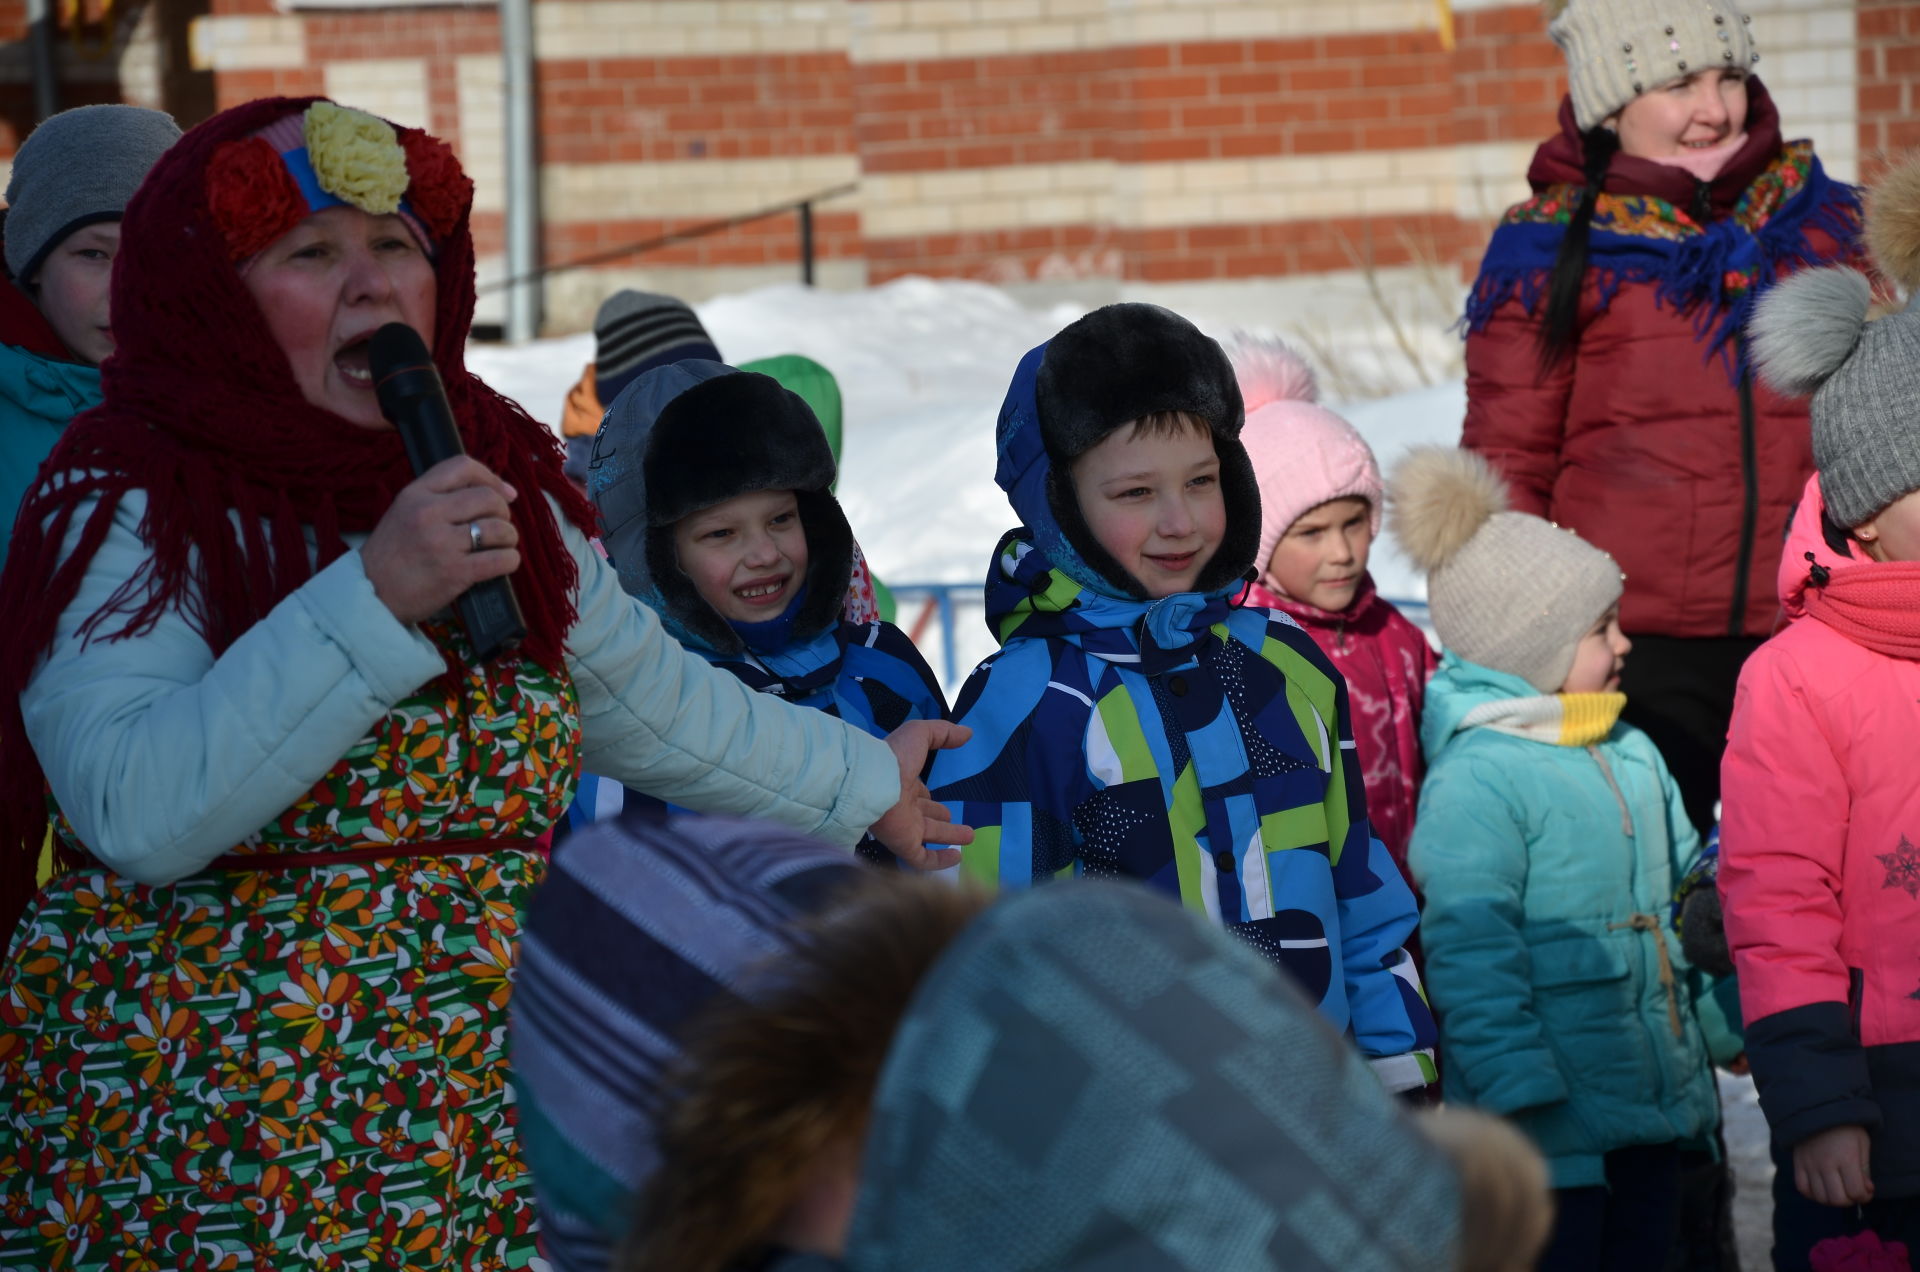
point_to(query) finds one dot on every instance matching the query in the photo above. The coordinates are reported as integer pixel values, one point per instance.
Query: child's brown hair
(770, 1085)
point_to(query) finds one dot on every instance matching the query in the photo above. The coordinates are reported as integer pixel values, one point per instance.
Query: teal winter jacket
(38, 395)
(1548, 873)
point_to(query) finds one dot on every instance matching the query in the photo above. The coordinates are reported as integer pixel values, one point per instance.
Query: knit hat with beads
(76, 169)
(1303, 454)
(1618, 49)
(1507, 590)
(636, 331)
(1810, 336)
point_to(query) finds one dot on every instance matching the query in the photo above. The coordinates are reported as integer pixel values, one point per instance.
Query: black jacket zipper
(1750, 506)
(1702, 211)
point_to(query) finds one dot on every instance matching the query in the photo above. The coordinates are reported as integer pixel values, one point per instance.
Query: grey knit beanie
(1618, 49)
(1507, 590)
(78, 168)
(636, 331)
(1810, 336)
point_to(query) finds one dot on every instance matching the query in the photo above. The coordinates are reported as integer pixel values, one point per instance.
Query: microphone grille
(395, 347)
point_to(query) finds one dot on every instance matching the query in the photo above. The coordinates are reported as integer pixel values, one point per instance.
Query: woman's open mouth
(352, 364)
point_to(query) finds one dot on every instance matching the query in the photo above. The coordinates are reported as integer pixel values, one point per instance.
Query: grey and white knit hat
(1618, 49)
(1810, 336)
(78, 168)
(1507, 590)
(636, 331)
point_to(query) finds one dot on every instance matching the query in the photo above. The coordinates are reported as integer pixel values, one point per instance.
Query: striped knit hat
(640, 925)
(637, 331)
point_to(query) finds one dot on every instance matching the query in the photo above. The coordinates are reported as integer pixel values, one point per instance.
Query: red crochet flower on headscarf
(252, 196)
(438, 189)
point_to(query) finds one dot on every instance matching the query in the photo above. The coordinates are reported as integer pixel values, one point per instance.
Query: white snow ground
(922, 366)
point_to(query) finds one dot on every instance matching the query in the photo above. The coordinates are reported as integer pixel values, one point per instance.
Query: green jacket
(38, 395)
(1535, 860)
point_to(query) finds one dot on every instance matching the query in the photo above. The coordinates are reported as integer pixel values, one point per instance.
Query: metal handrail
(802, 205)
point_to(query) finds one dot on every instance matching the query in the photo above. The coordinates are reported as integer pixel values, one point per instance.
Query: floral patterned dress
(302, 1066)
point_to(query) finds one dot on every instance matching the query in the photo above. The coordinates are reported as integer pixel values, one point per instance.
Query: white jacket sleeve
(163, 757)
(665, 721)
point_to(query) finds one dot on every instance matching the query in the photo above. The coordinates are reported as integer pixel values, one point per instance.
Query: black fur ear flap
(1125, 361)
(829, 562)
(728, 436)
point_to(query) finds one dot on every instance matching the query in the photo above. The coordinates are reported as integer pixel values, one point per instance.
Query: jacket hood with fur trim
(692, 434)
(1115, 365)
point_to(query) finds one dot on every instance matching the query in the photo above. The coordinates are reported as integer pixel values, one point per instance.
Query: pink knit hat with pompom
(1303, 454)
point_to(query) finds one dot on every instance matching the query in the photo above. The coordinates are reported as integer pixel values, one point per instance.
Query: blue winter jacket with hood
(1548, 871)
(1202, 748)
(745, 433)
(38, 396)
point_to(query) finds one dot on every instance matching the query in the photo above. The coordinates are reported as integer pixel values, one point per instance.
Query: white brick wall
(482, 143)
(1809, 60)
(233, 42)
(573, 192)
(393, 88)
(909, 30)
(669, 28)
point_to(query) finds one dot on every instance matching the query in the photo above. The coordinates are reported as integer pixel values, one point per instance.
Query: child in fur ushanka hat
(1549, 839)
(714, 488)
(1136, 721)
(1320, 505)
(1818, 868)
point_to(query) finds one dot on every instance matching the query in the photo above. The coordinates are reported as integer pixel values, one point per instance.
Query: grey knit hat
(78, 168)
(1810, 336)
(1507, 590)
(637, 331)
(1618, 49)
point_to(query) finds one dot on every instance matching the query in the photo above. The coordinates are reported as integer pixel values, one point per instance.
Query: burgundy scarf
(202, 413)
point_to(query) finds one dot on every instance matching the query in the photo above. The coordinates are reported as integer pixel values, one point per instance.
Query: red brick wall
(1889, 83)
(984, 112)
(1247, 98)
(660, 109)
(1507, 77)
(1213, 100)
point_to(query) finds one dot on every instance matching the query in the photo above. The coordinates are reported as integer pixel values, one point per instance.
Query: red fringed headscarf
(202, 413)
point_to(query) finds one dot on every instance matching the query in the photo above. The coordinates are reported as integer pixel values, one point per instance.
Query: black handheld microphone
(415, 403)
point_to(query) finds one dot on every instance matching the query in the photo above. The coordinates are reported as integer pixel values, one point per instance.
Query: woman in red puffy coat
(1606, 371)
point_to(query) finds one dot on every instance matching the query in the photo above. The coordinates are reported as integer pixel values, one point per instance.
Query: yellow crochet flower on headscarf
(356, 157)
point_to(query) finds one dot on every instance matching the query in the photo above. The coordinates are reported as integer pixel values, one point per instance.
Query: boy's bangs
(1170, 424)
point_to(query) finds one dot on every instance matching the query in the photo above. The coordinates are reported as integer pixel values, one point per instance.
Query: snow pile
(922, 365)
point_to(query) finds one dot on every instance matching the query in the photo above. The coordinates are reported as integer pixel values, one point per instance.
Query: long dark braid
(1570, 265)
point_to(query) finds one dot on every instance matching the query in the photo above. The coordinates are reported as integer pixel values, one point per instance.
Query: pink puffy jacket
(1820, 872)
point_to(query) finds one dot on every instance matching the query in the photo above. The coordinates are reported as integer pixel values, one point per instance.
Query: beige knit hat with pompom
(1507, 590)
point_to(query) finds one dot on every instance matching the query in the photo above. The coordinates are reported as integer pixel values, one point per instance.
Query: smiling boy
(714, 487)
(1136, 722)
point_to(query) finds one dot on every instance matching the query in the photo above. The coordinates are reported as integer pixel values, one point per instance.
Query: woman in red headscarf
(259, 1020)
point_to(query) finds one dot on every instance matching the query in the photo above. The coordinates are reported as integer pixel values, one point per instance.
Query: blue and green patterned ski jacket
(1201, 748)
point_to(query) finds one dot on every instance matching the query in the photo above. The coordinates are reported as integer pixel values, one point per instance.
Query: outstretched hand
(918, 821)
